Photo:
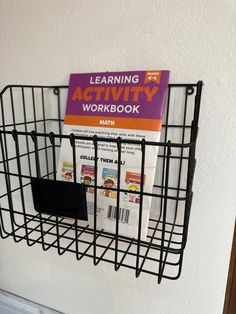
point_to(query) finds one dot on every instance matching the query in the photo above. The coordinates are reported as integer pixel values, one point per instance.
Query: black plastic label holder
(59, 198)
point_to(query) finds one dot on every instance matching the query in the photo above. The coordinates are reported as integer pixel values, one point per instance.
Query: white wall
(42, 42)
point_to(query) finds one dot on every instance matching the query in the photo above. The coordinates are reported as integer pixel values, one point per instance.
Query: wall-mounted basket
(30, 138)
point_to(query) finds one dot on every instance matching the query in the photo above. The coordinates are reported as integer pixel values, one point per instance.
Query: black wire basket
(32, 201)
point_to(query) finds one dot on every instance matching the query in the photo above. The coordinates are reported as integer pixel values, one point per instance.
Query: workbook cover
(129, 105)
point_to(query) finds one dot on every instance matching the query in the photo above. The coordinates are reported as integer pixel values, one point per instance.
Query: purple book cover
(112, 98)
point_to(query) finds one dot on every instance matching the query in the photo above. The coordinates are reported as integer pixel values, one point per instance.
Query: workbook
(129, 105)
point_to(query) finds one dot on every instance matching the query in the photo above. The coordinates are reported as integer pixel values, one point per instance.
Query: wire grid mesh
(30, 136)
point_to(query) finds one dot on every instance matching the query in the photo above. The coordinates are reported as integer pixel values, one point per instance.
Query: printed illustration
(67, 172)
(133, 181)
(109, 177)
(87, 177)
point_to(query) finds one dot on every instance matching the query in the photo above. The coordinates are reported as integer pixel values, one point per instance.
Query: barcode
(123, 214)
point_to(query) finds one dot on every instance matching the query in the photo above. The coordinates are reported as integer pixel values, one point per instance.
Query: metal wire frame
(161, 254)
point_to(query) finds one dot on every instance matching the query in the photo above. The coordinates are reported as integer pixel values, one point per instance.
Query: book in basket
(127, 105)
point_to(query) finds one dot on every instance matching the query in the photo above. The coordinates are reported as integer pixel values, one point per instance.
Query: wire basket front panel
(30, 149)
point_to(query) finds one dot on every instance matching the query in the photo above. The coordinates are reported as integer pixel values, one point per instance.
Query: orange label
(115, 122)
(153, 76)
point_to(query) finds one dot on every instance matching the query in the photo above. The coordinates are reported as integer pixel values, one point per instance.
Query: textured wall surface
(42, 42)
